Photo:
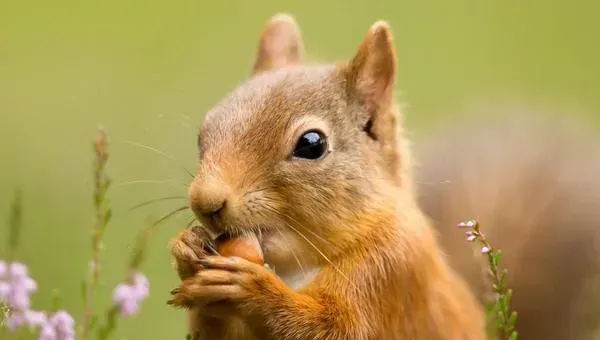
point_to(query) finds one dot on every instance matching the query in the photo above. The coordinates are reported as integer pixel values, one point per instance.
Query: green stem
(103, 213)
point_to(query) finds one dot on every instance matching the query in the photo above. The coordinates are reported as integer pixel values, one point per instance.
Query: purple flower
(47, 332)
(15, 288)
(4, 290)
(128, 297)
(467, 224)
(64, 325)
(35, 318)
(141, 285)
(16, 285)
(28, 284)
(125, 298)
(60, 326)
(14, 321)
(18, 270)
(485, 250)
(18, 298)
(471, 236)
(18, 319)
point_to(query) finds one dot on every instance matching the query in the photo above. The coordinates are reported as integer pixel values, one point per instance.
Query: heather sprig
(499, 311)
(103, 215)
(16, 285)
(128, 295)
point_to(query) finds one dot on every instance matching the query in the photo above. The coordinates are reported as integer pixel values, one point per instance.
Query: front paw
(228, 285)
(188, 248)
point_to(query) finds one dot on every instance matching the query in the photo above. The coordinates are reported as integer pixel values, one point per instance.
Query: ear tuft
(372, 71)
(280, 44)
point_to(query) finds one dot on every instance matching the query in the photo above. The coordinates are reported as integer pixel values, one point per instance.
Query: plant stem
(137, 257)
(499, 307)
(103, 213)
(111, 323)
(16, 217)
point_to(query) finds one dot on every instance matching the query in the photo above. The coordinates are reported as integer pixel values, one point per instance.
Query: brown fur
(350, 217)
(534, 186)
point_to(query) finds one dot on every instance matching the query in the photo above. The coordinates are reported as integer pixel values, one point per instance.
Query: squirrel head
(303, 152)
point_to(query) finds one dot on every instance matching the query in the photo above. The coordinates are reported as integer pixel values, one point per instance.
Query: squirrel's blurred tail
(533, 183)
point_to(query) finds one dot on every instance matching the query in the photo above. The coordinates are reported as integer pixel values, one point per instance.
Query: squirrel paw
(188, 248)
(227, 285)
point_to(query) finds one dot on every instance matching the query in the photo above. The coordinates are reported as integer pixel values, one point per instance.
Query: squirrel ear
(370, 79)
(280, 44)
(372, 71)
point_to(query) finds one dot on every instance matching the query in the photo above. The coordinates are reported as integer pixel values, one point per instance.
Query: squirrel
(531, 179)
(314, 161)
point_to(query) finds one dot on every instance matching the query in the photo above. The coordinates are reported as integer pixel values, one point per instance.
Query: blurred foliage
(148, 70)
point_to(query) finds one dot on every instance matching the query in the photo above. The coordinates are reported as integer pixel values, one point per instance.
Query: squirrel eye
(311, 145)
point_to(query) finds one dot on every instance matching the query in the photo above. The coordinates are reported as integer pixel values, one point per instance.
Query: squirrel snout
(208, 199)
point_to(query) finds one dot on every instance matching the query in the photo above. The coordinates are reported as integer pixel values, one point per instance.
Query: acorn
(245, 246)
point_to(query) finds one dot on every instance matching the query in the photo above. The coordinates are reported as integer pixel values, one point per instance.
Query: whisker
(435, 183)
(185, 124)
(162, 153)
(293, 254)
(187, 118)
(267, 207)
(189, 224)
(187, 121)
(172, 213)
(137, 206)
(309, 242)
(319, 251)
(148, 181)
(319, 237)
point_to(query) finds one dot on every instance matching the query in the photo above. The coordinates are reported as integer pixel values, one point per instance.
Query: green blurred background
(148, 70)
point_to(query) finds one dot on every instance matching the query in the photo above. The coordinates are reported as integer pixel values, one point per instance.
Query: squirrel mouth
(261, 236)
(247, 246)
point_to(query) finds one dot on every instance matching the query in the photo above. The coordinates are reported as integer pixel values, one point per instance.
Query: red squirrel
(312, 160)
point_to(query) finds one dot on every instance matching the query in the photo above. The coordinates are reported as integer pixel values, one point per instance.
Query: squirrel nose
(213, 209)
(208, 198)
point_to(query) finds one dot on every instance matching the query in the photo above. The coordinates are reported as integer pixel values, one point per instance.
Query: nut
(246, 247)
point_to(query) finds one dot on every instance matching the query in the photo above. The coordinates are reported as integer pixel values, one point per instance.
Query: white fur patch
(301, 279)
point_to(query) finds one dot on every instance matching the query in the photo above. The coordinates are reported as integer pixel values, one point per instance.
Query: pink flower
(18, 270)
(141, 285)
(16, 285)
(125, 298)
(471, 238)
(485, 250)
(60, 326)
(64, 325)
(35, 318)
(47, 332)
(28, 284)
(15, 288)
(4, 290)
(467, 224)
(18, 319)
(14, 321)
(128, 297)
(18, 299)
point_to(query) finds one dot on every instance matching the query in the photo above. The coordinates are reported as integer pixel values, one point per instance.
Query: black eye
(312, 145)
